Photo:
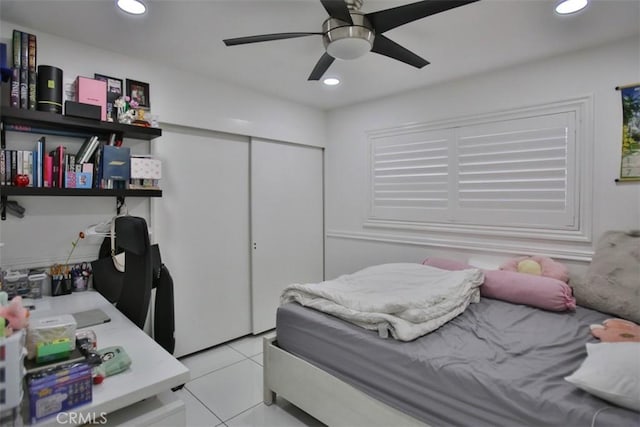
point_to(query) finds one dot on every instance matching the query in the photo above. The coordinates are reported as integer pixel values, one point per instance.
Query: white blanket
(407, 300)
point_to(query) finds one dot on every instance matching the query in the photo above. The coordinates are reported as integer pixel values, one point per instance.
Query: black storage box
(86, 111)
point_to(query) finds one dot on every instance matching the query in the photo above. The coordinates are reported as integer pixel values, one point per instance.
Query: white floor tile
(249, 346)
(197, 414)
(280, 414)
(258, 358)
(210, 360)
(229, 391)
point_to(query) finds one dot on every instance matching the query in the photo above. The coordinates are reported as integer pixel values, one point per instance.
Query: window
(513, 171)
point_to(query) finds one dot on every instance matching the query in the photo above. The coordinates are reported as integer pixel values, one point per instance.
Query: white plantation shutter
(518, 172)
(410, 175)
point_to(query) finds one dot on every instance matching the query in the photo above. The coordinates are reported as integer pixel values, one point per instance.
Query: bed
(496, 364)
(468, 372)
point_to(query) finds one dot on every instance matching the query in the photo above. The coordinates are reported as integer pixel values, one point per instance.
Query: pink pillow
(550, 268)
(536, 291)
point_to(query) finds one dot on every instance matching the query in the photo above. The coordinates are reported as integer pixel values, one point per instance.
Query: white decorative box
(145, 168)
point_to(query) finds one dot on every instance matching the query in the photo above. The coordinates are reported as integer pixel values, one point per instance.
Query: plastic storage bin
(36, 283)
(16, 282)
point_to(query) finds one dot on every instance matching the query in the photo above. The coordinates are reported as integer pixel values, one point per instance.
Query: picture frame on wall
(630, 162)
(139, 91)
(114, 91)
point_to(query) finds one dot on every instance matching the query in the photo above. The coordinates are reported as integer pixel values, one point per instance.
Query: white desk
(152, 370)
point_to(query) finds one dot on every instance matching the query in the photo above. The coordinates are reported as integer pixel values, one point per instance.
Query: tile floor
(226, 389)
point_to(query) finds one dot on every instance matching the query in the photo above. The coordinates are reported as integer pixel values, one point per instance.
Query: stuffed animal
(537, 265)
(15, 315)
(616, 330)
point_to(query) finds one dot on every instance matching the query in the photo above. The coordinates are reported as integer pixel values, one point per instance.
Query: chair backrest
(133, 238)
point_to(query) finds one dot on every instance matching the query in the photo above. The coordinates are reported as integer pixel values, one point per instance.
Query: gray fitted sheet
(497, 364)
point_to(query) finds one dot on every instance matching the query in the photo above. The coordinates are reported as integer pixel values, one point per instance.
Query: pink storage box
(92, 91)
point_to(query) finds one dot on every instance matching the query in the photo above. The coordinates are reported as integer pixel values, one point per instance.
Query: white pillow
(611, 371)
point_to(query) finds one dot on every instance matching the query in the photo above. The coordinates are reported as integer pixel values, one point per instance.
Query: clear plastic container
(36, 284)
(16, 282)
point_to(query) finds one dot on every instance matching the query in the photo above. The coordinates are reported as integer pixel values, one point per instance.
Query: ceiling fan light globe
(348, 48)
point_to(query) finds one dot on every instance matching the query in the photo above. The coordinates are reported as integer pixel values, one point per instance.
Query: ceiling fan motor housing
(344, 41)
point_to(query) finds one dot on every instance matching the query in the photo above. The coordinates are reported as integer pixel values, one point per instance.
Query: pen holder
(80, 283)
(61, 285)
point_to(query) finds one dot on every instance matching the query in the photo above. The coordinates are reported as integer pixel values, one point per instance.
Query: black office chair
(133, 238)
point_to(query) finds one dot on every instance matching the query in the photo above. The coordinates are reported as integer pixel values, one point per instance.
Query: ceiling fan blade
(337, 9)
(266, 38)
(321, 67)
(387, 47)
(385, 20)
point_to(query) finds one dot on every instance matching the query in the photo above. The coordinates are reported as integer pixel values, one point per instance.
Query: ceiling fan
(349, 33)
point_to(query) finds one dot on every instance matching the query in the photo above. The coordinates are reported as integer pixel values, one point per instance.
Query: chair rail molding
(573, 253)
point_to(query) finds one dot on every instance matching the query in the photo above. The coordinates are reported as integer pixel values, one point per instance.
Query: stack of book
(23, 73)
(97, 164)
(55, 168)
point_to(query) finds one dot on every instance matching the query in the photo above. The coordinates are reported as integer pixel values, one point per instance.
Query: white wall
(44, 235)
(595, 72)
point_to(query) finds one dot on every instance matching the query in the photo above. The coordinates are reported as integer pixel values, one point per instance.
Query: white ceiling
(188, 34)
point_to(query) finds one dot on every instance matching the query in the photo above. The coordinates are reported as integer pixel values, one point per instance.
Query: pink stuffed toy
(539, 266)
(16, 315)
(616, 330)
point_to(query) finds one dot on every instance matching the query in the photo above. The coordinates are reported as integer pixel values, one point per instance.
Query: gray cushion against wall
(612, 282)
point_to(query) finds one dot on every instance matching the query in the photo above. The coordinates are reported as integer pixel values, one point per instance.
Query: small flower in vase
(126, 109)
(61, 277)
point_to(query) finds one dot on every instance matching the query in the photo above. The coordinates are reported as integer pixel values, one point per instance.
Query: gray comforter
(497, 364)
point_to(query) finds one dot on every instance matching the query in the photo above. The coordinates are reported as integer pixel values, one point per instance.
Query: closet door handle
(255, 246)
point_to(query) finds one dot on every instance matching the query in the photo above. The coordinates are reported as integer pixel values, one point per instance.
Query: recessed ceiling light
(331, 81)
(565, 7)
(134, 7)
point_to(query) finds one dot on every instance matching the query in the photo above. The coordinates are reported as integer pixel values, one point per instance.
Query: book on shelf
(32, 79)
(14, 166)
(87, 150)
(32, 75)
(17, 48)
(57, 171)
(47, 171)
(27, 166)
(114, 167)
(2, 167)
(24, 70)
(41, 151)
(16, 162)
(15, 88)
(24, 88)
(24, 51)
(32, 65)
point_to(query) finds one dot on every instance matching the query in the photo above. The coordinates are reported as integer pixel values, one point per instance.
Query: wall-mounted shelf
(20, 120)
(97, 192)
(120, 195)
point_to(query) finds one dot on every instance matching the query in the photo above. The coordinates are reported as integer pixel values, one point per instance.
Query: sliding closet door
(287, 225)
(203, 230)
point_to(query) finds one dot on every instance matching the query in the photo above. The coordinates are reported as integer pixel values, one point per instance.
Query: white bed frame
(325, 397)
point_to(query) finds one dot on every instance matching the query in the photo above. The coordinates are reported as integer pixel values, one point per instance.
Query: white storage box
(145, 168)
(49, 329)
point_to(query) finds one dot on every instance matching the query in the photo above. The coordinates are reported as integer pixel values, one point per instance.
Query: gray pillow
(612, 282)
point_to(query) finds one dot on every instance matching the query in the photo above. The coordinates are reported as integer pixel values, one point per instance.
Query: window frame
(580, 232)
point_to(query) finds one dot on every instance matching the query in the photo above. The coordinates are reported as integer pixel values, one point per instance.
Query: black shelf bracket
(3, 201)
(3, 141)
